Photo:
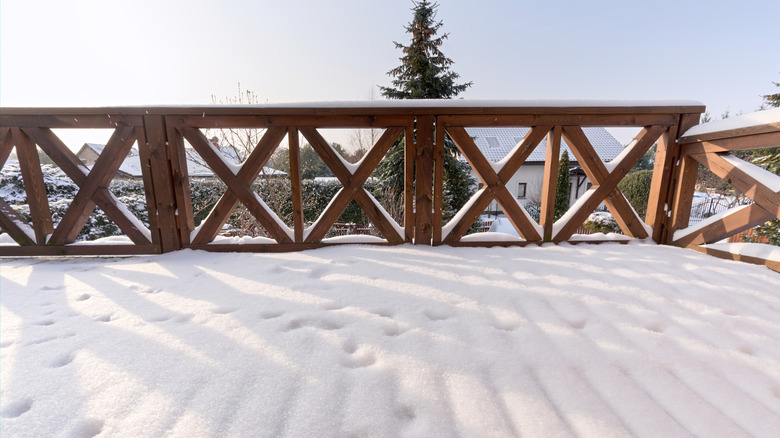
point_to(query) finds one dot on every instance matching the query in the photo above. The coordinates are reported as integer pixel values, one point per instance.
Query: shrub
(602, 223)
(636, 187)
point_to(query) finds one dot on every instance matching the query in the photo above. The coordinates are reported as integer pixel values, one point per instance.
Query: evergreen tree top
(773, 100)
(424, 72)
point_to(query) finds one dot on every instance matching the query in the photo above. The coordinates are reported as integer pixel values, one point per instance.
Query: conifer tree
(562, 187)
(425, 73)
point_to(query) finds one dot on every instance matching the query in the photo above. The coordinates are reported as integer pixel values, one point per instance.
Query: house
(131, 165)
(526, 184)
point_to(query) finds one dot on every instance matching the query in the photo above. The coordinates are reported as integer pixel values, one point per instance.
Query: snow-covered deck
(587, 340)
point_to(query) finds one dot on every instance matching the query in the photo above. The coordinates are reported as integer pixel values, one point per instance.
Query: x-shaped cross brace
(93, 185)
(239, 185)
(605, 182)
(495, 183)
(353, 185)
(76, 171)
(766, 207)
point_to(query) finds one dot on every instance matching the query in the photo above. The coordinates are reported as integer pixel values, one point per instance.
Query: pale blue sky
(97, 53)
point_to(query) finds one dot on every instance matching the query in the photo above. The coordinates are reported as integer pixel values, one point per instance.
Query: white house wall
(533, 176)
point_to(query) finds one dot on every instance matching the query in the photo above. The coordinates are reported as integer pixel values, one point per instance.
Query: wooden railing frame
(161, 132)
(714, 151)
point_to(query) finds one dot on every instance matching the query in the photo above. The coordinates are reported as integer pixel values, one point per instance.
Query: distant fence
(420, 127)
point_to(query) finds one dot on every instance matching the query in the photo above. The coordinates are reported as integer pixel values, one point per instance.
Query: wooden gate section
(659, 125)
(715, 151)
(293, 126)
(162, 133)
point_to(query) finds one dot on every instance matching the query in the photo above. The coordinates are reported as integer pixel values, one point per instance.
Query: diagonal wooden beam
(522, 151)
(474, 210)
(596, 171)
(6, 145)
(246, 175)
(741, 180)
(15, 225)
(76, 171)
(732, 223)
(239, 188)
(34, 186)
(99, 178)
(491, 180)
(353, 184)
(608, 185)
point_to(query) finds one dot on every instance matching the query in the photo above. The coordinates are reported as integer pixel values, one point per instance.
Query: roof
(131, 166)
(496, 142)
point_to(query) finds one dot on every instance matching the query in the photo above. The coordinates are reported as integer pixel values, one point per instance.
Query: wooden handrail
(161, 132)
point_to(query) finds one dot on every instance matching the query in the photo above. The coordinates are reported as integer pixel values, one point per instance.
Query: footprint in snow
(159, 318)
(58, 287)
(657, 327)
(106, 318)
(61, 360)
(5, 344)
(383, 312)
(16, 408)
(224, 310)
(406, 413)
(437, 314)
(393, 330)
(578, 323)
(360, 359)
(747, 349)
(83, 297)
(88, 428)
(46, 322)
(507, 326)
(332, 305)
(270, 314)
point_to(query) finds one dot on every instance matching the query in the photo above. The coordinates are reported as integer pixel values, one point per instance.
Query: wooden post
(438, 184)
(410, 152)
(682, 184)
(295, 182)
(423, 230)
(180, 178)
(550, 181)
(157, 163)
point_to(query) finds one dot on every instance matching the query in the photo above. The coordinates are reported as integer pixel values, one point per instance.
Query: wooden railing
(160, 134)
(714, 149)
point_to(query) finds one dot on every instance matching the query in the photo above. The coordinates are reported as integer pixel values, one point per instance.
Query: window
(521, 190)
(493, 142)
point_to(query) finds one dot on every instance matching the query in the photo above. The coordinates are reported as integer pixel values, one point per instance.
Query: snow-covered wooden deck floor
(588, 340)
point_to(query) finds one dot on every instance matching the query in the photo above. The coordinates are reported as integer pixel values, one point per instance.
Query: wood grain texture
(732, 224)
(76, 171)
(239, 188)
(549, 182)
(34, 187)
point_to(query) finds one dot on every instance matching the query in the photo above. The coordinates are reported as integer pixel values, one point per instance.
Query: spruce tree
(562, 187)
(772, 100)
(425, 73)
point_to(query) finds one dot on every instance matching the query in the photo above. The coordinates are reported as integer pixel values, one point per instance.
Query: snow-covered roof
(97, 148)
(496, 142)
(605, 340)
(131, 166)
